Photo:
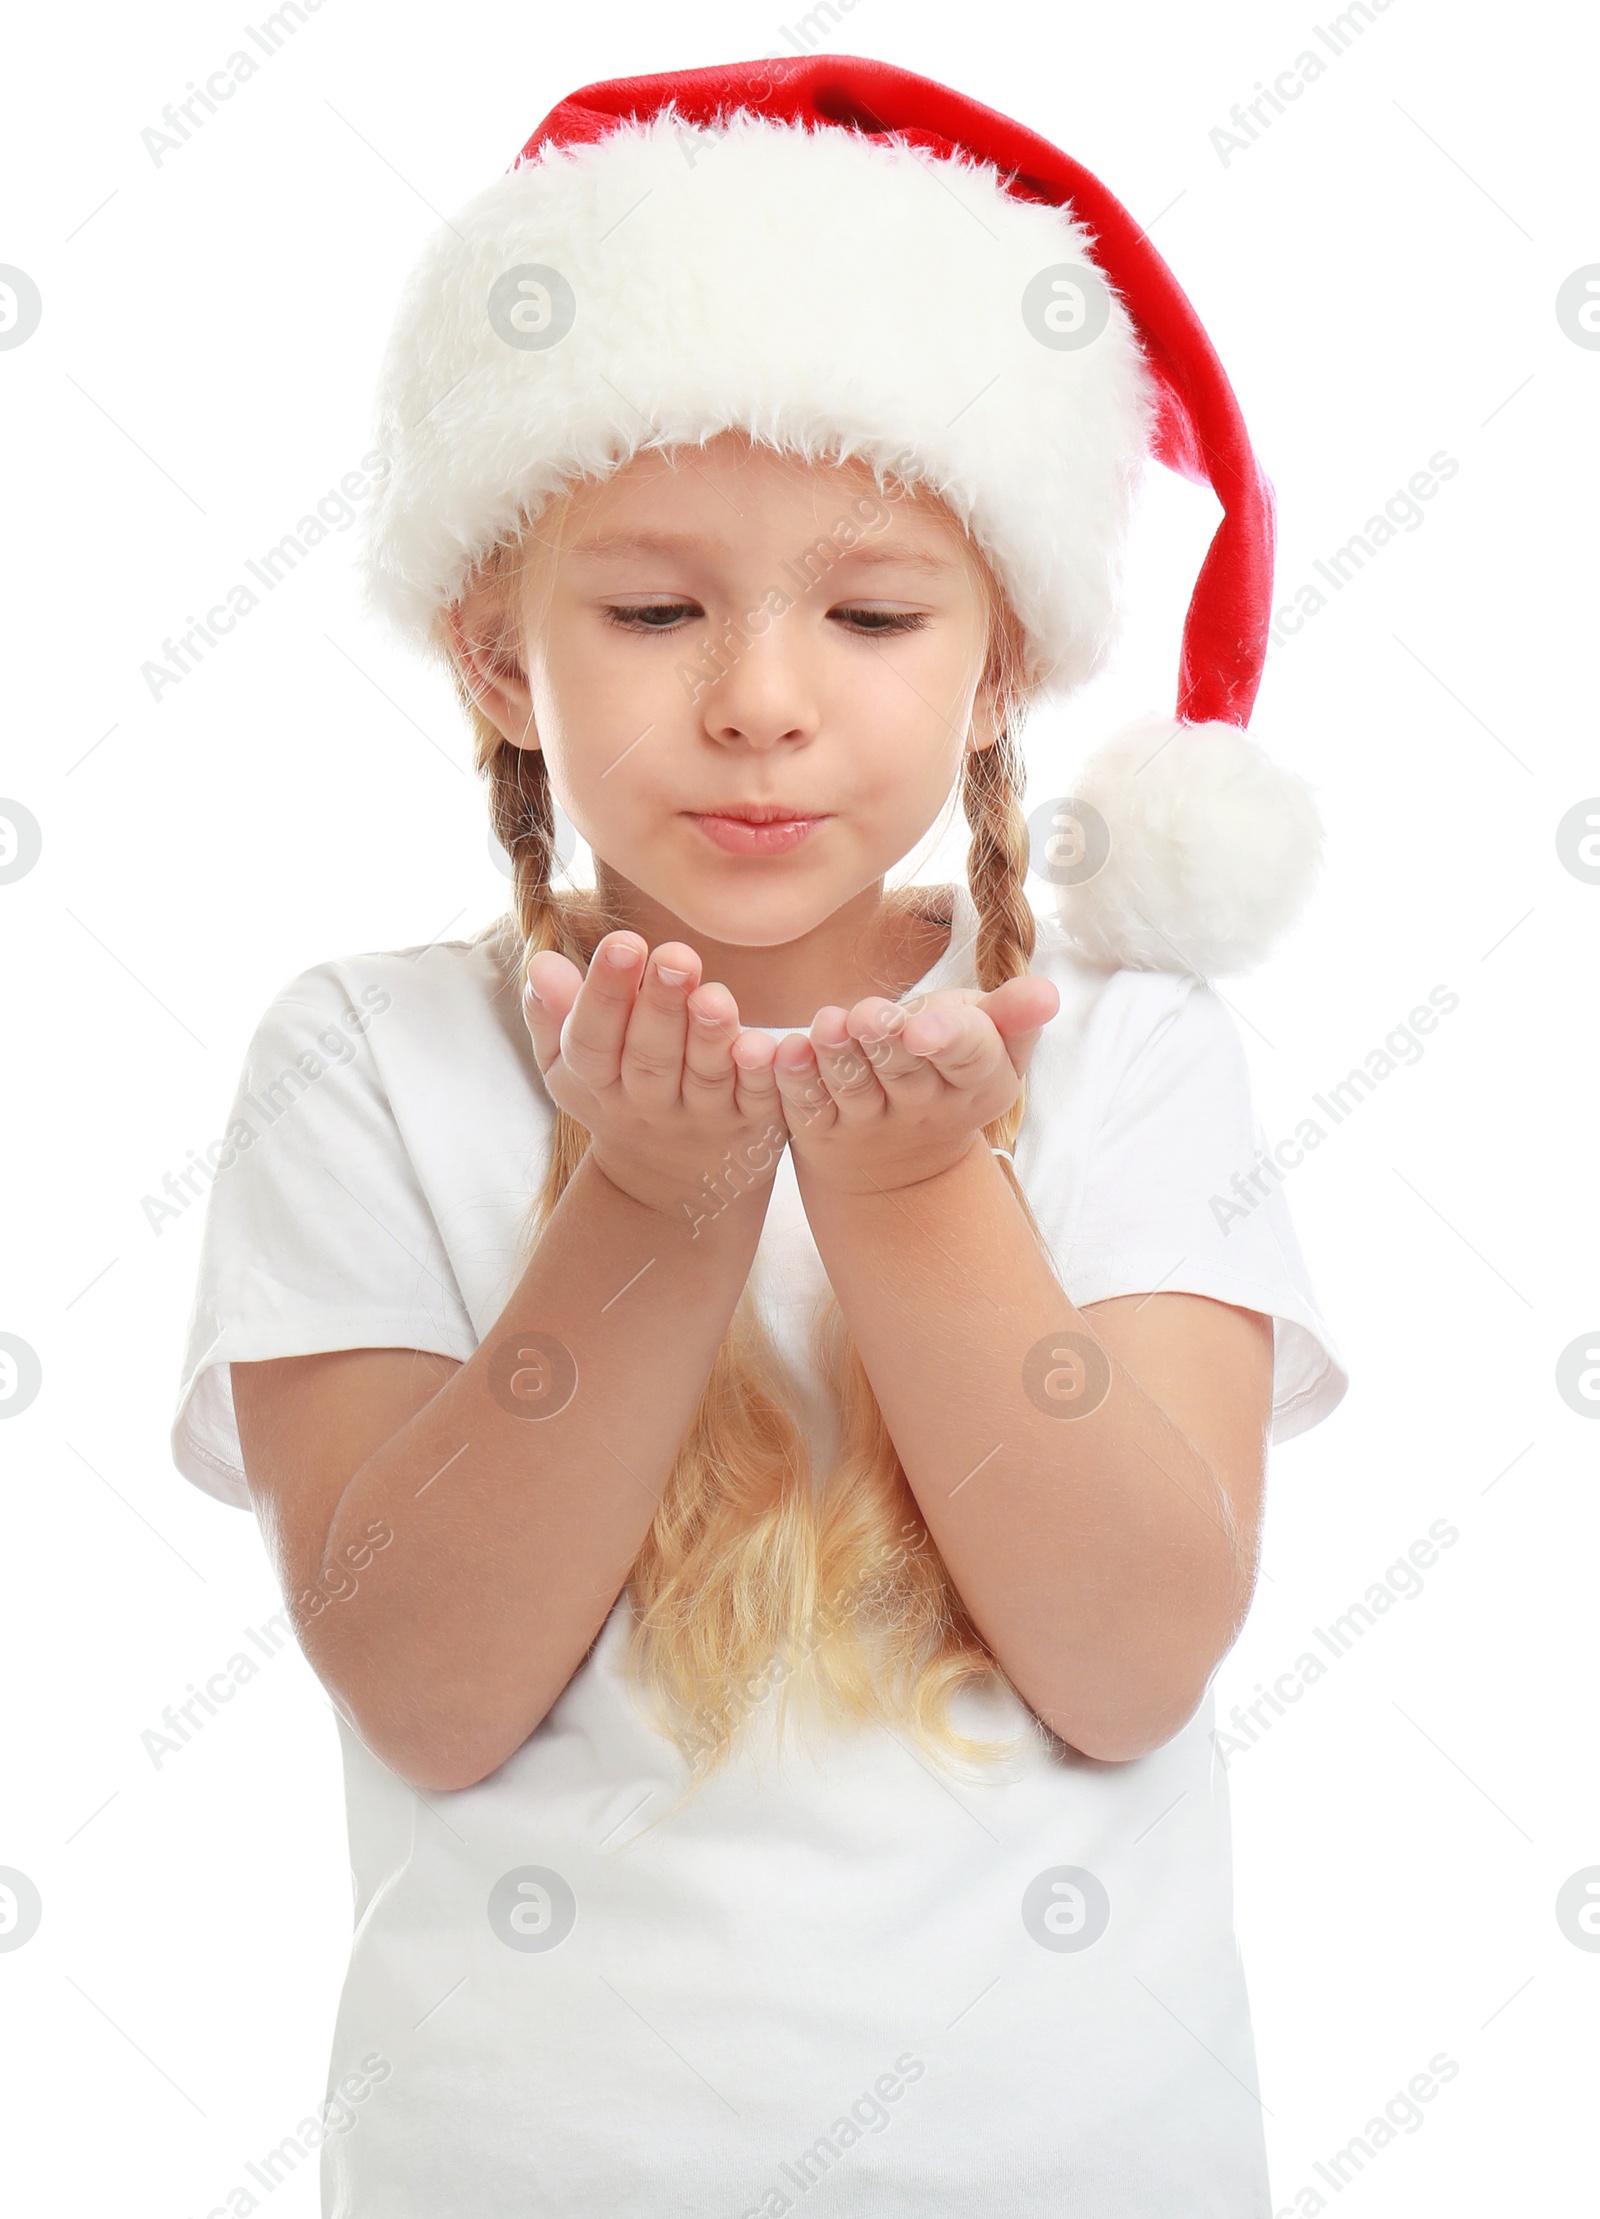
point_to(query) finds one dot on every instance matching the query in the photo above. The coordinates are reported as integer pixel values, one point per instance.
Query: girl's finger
(597, 1023)
(753, 1056)
(807, 1104)
(551, 989)
(844, 1067)
(959, 1044)
(708, 1069)
(1020, 1047)
(652, 1056)
(878, 1028)
(1025, 1007)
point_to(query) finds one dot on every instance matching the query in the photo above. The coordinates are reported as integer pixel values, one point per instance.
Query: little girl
(757, 1386)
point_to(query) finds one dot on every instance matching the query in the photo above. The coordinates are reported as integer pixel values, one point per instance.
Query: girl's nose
(765, 695)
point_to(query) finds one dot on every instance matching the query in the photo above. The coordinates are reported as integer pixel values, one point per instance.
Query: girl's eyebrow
(688, 543)
(646, 543)
(914, 558)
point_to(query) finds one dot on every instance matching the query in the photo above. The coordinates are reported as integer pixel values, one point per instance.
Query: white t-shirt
(848, 1983)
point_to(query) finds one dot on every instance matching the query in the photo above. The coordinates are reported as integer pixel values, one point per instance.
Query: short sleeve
(317, 1232)
(1180, 1192)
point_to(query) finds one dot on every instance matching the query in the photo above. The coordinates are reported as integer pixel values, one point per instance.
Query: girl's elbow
(439, 1771)
(1124, 1744)
(441, 1757)
(453, 1763)
(1127, 1732)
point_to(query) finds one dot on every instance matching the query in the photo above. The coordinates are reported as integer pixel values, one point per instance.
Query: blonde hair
(746, 1557)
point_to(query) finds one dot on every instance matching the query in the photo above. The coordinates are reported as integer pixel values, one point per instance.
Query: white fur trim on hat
(822, 291)
(1210, 848)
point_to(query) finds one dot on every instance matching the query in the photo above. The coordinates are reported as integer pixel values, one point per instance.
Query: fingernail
(671, 978)
(622, 953)
(530, 993)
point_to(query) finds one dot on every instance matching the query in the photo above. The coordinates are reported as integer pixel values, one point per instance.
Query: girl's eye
(872, 621)
(663, 616)
(654, 616)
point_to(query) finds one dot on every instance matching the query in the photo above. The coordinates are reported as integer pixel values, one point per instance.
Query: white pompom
(1210, 849)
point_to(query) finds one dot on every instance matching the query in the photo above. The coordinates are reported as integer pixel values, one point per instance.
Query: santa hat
(842, 258)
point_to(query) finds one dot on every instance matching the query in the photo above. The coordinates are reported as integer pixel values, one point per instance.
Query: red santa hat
(840, 258)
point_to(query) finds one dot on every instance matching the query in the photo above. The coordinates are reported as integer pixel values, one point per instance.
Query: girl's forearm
(514, 1534)
(1096, 1552)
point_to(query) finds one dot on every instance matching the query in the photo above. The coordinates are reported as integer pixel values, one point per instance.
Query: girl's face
(737, 630)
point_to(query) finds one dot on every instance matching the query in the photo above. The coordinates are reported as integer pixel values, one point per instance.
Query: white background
(1378, 272)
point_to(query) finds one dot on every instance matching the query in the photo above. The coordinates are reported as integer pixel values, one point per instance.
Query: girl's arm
(447, 1558)
(1107, 1558)
(446, 1563)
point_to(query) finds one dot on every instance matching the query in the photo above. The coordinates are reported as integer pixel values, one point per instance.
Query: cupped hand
(885, 1094)
(673, 1090)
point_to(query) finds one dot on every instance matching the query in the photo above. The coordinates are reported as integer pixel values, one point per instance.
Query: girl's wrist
(691, 1198)
(902, 1170)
